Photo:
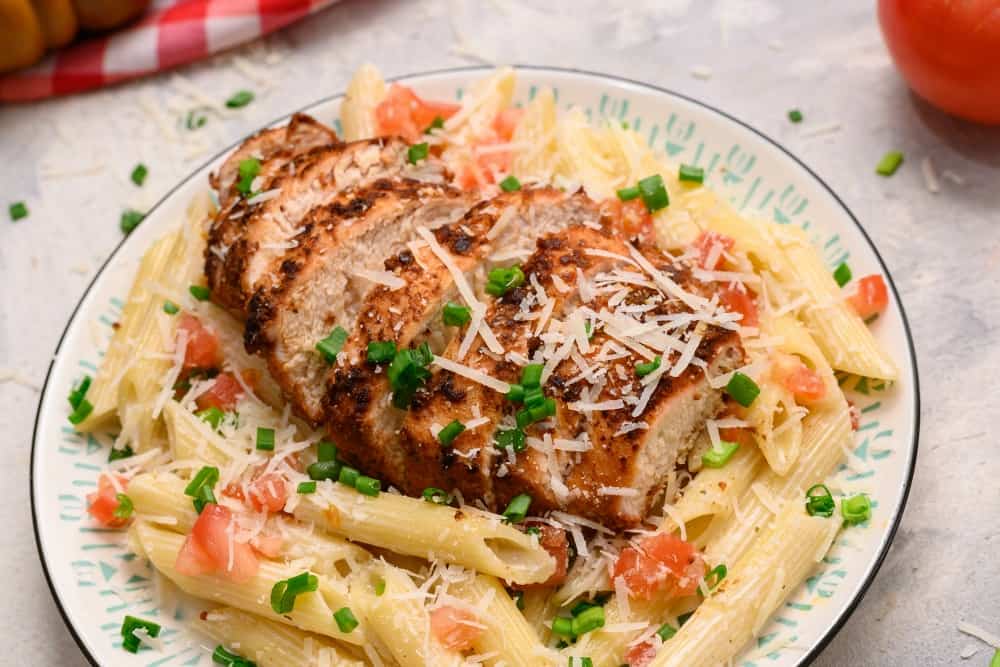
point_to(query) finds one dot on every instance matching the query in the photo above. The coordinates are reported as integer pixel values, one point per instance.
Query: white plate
(96, 581)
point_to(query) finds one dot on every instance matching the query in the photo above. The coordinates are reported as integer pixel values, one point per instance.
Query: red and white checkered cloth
(171, 33)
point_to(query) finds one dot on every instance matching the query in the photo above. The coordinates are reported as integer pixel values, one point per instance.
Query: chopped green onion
(79, 392)
(448, 434)
(715, 576)
(510, 184)
(842, 274)
(995, 662)
(666, 631)
(743, 389)
(589, 328)
(889, 163)
(516, 393)
(533, 530)
(436, 124)
(533, 397)
(513, 438)
(207, 476)
(331, 346)
(456, 315)
(518, 598)
(531, 375)
(195, 120)
(284, 592)
(819, 501)
(379, 588)
(501, 280)
(223, 657)
(306, 487)
(691, 173)
(628, 194)
(212, 416)
(346, 621)
(117, 454)
(654, 193)
(644, 369)
(517, 509)
(249, 169)
(348, 476)
(683, 618)
(582, 606)
(795, 116)
(718, 457)
(580, 662)
(130, 220)
(368, 486)
(417, 152)
(200, 292)
(125, 507)
(588, 620)
(170, 308)
(326, 451)
(205, 496)
(240, 99)
(130, 642)
(562, 626)
(81, 412)
(407, 373)
(856, 509)
(546, 409)
(324, 470)
(18, 210)
(265, 439)
(139, 174)
(381, 351)
(432, 494)
(523, 418)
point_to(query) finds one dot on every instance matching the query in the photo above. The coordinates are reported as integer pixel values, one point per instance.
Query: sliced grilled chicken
(244, 254)
(323, 280)
(366, 424)
(302, 133)
(582, 460)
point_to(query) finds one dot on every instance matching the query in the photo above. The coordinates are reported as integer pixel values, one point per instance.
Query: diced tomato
(642, 654)
(742, 436)
(705, 243)
(870, 297)
(855, 414)
(404, 113)
(739, 299)
(554, 541)
(202, 344)
(662, 565)
(223, 394)
(268, 493)
(806, 384)
(211, 546)
(268, 545)
(193, 560)
(454, 628)
(506, 122)
(630, 218)
(102, 504)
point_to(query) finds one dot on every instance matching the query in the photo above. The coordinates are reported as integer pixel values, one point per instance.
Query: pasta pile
(337, 575)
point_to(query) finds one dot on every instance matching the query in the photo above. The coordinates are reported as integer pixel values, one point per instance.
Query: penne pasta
(357, 111)
(466, 536)
(271, 644)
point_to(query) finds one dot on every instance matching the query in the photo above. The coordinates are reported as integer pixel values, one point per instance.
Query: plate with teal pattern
(96, 581)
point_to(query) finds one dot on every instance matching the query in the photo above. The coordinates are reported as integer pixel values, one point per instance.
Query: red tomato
(102, 504)
(739, 299)
(268, 493)
(554, 541)
(268, 545)
(855, 414)
(870, 296)
(631, 218)
(193, 560)
(451, 626)
(706, 242)
(642, 654)
(210, 536)
(805, 383)
(506, 122)
(202, 344)
(402, 112)
(661, 564)
(948, 51)
(223, 394)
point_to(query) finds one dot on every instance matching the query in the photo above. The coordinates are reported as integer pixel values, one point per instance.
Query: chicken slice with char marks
(367, 424)
(245, 251)
(319, 286)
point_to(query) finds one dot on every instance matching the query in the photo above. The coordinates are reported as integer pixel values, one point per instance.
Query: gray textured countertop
(70, 160)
